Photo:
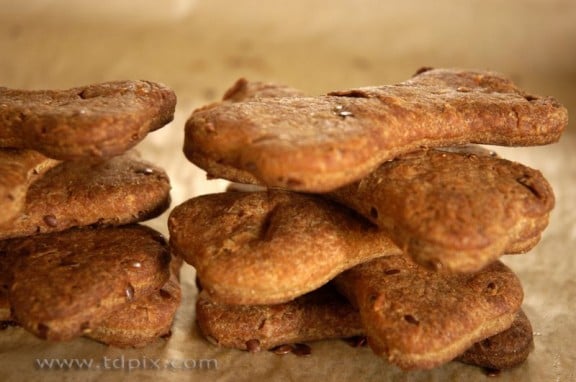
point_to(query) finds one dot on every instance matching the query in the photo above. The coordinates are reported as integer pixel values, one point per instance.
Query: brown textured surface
(99, 120)
(6, 263)
(271, 246)
(118, 191)
(325, 314)
(504, 350)
(136, 324)
(320, 314)
(242, 90)
(18, 170)
(65, 283)
(420, 319)
(142, 321)
(5, 314)
(319, 143)
(454, 209)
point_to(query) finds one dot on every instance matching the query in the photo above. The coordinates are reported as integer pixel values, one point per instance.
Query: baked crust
(320, 314)
(271, 246)
(64, 284)
(142, 321)
(457, 209)
(317, 144)
(121, 190)
(420, 319)
(18, 170)
(98, 121)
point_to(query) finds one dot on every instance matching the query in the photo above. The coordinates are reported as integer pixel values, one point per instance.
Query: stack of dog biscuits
(73, 260)
(370, 212)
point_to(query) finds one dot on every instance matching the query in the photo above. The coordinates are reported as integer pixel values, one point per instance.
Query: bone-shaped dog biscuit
(456, 209)
(419, 319)
(320, 143)
(135, 324)
(324, 314)
(63, 284)
(320, 314)
(120, 190)
(99, 120)
(271, 246)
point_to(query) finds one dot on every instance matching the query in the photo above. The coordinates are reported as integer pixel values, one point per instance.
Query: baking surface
(199, 48)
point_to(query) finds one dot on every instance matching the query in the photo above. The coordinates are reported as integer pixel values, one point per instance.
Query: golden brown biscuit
(317, 144)
(118, 191)
(141, 321)
(99, 120)
(504, 350)
(271, 246)
(18, 170)
(66, 283)
(420, 319)
(320, 314)
(135, 324)
(454, 209)
(324, 314)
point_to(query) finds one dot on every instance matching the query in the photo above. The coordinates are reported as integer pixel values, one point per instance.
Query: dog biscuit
(66, 283)
(99, 120)
(455, 209)
(320, 314)
(420, 319)
(504, 350)
(135, 324)
(324, 314)
(242, 90)
(121, 190)
(317, 144)
(271, 246)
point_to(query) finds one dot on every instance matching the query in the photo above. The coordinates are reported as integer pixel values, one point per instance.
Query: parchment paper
(317, 46)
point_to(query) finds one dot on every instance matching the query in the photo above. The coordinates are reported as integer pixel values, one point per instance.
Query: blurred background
(200, 47)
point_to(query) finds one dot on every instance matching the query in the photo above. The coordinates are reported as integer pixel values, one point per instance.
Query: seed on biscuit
(129, 291)
(282, 349)
(253, 345)
(50, 220)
